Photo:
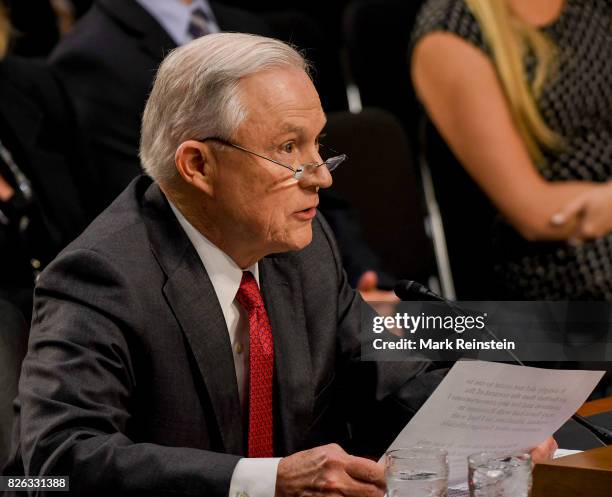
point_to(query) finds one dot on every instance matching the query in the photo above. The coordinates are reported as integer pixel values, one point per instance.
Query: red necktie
(261, 366)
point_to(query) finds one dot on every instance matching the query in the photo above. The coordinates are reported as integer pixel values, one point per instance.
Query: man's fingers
(359, 489)
(552, 447)
(544, 451)
(365, 470)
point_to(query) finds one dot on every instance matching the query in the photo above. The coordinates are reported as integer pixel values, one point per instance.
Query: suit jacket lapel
(135, 19)
(192, 297)
(24, 118)
(282, 294)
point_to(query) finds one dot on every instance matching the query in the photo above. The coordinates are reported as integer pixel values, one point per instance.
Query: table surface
(596, 407)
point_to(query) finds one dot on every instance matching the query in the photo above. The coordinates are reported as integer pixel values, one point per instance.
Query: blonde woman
(521, 90)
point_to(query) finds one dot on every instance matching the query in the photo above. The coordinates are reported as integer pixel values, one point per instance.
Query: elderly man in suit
(200, 337)
(108, 63)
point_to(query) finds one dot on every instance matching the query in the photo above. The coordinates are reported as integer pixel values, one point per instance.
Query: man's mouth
(306, 214)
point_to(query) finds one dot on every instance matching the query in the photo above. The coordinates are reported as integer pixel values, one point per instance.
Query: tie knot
(249, 296)
(198, 24)
(198, 13)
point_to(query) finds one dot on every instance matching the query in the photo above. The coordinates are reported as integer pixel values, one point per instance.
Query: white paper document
(490, 407)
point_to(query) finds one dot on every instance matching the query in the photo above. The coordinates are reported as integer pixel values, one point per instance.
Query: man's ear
(194, 160)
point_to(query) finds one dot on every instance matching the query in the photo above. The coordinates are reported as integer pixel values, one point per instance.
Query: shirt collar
(174, 16)
(225, 275)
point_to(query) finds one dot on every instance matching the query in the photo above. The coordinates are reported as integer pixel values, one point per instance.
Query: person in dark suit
(108, 64)
(200, 337)
(46, 186)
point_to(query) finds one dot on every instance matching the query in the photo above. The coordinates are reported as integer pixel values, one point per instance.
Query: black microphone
(408, 290)
(604, 435)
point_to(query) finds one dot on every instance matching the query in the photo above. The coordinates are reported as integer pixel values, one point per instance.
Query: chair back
(467, 216)
(379, 181)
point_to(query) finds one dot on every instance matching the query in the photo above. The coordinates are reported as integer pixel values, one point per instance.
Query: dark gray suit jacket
(129, 383)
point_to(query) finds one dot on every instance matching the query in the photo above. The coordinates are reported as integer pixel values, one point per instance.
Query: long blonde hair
(5, 30)
(509, 37)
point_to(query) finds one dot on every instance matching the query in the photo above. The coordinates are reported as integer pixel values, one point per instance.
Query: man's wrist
(254, 477)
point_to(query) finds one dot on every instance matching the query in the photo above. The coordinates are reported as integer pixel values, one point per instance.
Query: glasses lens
(333, 162)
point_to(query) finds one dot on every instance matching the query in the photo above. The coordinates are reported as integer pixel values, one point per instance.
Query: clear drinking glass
(416, 472)
(491, 475)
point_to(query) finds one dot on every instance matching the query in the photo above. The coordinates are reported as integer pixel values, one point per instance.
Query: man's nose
(324, 175)
(319, 177)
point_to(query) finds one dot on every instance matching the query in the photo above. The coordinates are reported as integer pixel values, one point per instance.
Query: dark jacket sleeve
(78, 382)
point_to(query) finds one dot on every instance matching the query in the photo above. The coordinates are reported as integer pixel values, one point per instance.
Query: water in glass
(425, 484)
(499, 476)
(416, 472)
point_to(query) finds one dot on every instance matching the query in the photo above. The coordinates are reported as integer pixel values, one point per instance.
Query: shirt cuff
(254, 477)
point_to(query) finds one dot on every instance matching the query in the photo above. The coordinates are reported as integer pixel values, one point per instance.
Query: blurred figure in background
(65, 14)
(39, 24)
(522, 93)
(46, 189)
(109, 61)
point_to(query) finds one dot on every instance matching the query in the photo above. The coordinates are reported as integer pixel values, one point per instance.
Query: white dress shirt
(253, 477)
(174, 16)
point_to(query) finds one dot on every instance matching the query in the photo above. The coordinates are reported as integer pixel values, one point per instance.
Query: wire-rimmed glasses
(331, 164)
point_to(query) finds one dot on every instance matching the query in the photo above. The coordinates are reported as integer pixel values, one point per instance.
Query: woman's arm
(458, 85)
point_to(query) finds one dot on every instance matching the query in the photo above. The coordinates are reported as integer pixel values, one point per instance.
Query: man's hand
(592, 210)
(544, 451)
(368, 287)
(329, 471)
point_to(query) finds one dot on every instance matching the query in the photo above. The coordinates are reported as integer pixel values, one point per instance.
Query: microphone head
(412, 290)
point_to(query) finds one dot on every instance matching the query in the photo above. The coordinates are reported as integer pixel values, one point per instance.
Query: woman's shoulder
(450, 16)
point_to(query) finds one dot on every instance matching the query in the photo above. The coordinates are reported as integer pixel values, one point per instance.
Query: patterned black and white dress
(577, 104)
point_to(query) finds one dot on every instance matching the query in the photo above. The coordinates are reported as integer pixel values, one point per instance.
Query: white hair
(196, 93)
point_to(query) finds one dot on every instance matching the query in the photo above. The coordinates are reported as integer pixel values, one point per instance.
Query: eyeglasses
(304, 169)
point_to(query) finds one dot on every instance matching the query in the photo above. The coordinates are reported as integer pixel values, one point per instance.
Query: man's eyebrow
(292, 128)
(289, 128)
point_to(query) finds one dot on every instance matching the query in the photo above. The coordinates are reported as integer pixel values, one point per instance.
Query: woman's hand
(592, 211)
